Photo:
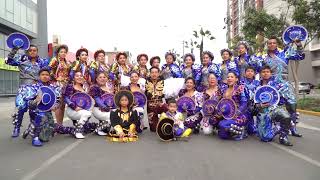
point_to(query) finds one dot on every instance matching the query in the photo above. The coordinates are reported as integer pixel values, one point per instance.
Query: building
(309, 69)
(25, 16)
(235, 12)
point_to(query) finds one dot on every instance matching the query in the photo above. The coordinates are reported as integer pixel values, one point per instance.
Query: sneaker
(101, 133)
(79, 136)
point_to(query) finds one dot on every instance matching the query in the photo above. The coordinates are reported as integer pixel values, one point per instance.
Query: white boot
(101, 133)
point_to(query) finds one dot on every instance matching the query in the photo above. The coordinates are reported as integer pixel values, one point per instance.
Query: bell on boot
(15, 132)
(36, 142)
(285, 141)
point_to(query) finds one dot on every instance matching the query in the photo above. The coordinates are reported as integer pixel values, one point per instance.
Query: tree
(200, 36)
(258, 24)
(306, 14)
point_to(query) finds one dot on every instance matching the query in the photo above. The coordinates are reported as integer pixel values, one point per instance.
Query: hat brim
(165, 129)
(121, 93)
(82, 100)
(18, 40)
(49, 99)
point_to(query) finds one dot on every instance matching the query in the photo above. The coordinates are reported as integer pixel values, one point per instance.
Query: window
(9, 6)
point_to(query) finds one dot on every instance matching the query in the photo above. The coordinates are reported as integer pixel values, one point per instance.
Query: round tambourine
(139, 99)
(165, 129)
(185, 103)
(209, 107)
(227, 108)
(267, 94)
(48, 100)
(18, 41)
(294, 32)
(82, 100)
(108, 100)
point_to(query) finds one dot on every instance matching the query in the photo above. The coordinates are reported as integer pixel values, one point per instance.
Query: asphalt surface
(202, 157)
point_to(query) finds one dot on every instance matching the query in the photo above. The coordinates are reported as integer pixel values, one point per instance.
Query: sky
(139, 26)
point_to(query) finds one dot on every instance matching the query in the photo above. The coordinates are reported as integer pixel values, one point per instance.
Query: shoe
(285, 141)
(15, 132)
(101, 133)
(295, 133)
(36, 142)
(79, 136)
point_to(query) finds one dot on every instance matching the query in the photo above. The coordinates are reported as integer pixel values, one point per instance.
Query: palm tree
(200, 36)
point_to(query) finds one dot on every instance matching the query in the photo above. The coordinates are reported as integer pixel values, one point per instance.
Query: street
(202, 157)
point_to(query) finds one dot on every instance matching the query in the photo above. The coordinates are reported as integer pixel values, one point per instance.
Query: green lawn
(311, 104)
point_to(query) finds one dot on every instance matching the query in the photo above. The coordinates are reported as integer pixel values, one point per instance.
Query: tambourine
(227, 108)
(82, 100)
(185, 103)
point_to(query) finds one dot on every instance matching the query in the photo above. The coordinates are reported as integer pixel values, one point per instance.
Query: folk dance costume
(233, 127)
(179, 129)
(82, 66)
(210, 116)
(173, 80)
(155, 101)
(98, 66)
(140, 109)
(205, 70)
(28, 74)
(102, 109)
(193, 117)
(192, 71)
(41, 126)
(119, 73)
(279, 66)
(80, 117)
(274, 114)
(123, 123)
(227, 65)
(250, 86)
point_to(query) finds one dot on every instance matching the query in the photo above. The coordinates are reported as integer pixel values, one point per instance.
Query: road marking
(306, 126)
(50, 161)
(297, 154)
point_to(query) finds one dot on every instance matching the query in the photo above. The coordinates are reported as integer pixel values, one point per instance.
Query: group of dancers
(236, 78)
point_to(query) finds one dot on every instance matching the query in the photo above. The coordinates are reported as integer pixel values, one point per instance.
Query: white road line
(306, 126)
(50, 161)
(297, 154)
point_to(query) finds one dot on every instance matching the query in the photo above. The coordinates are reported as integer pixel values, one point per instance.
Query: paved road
(202, 157)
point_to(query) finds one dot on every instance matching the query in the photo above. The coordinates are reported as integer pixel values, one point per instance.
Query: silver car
(304, 87)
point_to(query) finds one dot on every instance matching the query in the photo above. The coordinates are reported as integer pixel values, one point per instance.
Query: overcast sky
(139, 26)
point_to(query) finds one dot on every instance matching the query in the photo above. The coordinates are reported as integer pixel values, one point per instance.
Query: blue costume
(228, 66)
(41, 123)
(275, 113)
(172, 76)
(245, 61)
(204, 73)
(279, 67)
(250, 86)
(239, 96)
(28, 75)
(192, 72)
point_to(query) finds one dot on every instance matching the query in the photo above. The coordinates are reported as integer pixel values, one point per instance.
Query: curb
(309, 112)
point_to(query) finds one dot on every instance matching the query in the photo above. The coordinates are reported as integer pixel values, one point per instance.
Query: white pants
(81, 116)
(100, 115)
(144, 119)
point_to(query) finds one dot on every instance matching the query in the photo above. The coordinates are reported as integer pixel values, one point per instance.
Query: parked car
(303, 87)
(312, 86)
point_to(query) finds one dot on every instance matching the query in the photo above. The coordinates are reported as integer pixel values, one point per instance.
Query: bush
(311, 104)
